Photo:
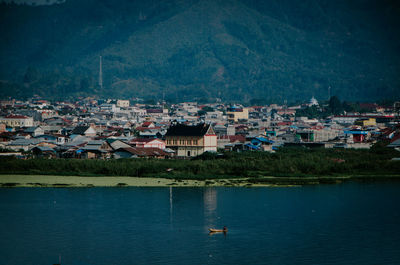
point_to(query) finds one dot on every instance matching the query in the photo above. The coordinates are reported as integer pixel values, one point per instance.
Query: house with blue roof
(261, 143)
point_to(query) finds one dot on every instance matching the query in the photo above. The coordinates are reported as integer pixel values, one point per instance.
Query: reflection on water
(210, 200)
(209, 204)
(171, 205)
(210, 208)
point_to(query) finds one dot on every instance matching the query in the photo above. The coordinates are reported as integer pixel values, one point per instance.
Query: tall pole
(100, 74)
(329, 92)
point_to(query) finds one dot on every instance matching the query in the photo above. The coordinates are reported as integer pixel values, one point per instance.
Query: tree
(310, 112)
(347, 107)
(201, 113)
(335, 106)
(207, 109)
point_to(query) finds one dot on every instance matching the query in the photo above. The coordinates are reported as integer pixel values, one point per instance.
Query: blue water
(351, 223)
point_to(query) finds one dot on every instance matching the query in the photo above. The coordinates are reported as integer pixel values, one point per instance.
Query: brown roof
(234, 138)
(143, 152)
(142, 140)
(154, 111)
(12, 116)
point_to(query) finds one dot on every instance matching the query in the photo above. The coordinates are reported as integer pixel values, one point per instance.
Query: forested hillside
(237, 50)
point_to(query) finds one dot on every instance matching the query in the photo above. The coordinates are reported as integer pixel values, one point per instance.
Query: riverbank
(104, 181)
(10, 181)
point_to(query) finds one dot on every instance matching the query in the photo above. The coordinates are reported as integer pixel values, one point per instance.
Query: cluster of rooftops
(89, 128)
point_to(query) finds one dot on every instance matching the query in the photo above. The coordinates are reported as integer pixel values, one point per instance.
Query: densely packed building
(105, 129)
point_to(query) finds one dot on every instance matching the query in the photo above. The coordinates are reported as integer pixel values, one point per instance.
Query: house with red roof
(148, 124)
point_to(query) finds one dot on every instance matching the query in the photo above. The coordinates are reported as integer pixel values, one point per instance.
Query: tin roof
(187, 130)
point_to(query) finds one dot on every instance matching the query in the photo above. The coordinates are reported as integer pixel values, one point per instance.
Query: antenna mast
(329, 92)
(100, 74)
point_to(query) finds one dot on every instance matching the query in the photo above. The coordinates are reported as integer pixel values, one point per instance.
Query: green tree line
(287, 162)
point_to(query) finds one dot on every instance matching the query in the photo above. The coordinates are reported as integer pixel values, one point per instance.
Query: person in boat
(224, 229)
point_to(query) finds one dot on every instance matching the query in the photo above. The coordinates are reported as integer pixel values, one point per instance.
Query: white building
(123, 103)
(108, 108)
(313, 102)
(17, 121)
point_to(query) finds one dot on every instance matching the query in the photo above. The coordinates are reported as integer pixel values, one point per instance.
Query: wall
(210, 143)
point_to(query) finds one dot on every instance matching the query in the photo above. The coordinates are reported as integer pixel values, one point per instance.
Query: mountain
(251, 51)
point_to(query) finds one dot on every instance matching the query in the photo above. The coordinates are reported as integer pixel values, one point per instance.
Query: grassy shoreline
(113, 181)
(9, 181)
(285, 167)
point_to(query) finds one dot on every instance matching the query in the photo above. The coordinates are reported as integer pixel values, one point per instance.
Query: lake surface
(351, 223)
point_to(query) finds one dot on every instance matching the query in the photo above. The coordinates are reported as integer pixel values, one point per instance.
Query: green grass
(299, 163)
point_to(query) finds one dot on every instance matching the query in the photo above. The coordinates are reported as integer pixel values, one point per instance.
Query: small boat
(212, 230)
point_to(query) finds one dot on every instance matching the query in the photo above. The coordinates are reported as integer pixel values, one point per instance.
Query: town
(89, 128)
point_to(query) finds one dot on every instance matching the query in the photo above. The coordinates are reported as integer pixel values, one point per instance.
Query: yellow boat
(212, 230)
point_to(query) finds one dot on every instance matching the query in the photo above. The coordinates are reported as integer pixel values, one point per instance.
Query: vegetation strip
(287, 162)
(10, 181)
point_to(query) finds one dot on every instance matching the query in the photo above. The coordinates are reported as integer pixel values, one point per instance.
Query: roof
(234, 138)
(25, 142)
(368, 105)
(95, 148)
(356, 132)
(117, 144)
(147, 124)
(12, 116)
(284, 123)
(264, 140)
(143, 152)
(395, 143)
(95, 142)
(80, 129)
(149, 133)
(187, 130)
(7, 135)
(154, 111)
(251, 146)
(142, 129)
(235, 109)
(31, 129)
(59, 135)
(143, 140)
(44, 149)
(46, 137)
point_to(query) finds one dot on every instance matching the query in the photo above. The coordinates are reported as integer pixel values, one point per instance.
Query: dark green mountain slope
(235, 50)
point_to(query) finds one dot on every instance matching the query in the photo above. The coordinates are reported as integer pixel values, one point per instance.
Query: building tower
(100, 74)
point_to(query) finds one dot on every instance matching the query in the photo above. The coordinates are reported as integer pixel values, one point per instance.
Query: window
(189, 142)
(195, 142)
